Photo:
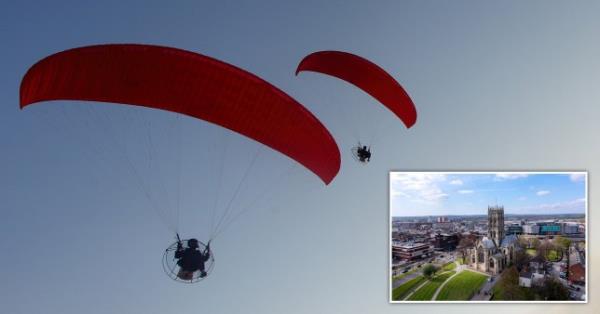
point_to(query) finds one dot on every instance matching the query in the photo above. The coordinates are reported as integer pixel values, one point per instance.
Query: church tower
(496, 223)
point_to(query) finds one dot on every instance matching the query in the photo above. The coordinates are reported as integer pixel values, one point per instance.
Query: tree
(563, 244)
(552, 290)
(509, 285)
(429, 270)
(464, 244)
(544, 249)
(521, 259)
(524, 242)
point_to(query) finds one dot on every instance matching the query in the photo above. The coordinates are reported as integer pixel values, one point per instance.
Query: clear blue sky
(509, 85)
(429, 193)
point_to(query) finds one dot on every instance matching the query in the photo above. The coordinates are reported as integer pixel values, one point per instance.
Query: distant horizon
(485, 214)
(470, 193)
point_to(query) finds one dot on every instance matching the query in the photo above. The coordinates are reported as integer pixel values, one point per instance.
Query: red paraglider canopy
(191, 84)
(365, 75)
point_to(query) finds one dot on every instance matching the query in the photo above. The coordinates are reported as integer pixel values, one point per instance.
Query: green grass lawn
(426, 292)
(531, 252)
(462, 287)
(449, 266)
(403, 290)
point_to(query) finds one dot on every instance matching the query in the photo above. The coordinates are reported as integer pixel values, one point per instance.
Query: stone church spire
(496, 223)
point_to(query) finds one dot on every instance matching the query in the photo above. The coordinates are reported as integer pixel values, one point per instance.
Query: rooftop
(408, 245)
(508, 240)
(525, 274)
(487, 243)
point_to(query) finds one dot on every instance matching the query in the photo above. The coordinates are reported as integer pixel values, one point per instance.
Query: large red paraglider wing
(191, 84)
(365, 75)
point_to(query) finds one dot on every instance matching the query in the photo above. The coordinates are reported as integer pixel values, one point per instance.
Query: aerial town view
(488, 237)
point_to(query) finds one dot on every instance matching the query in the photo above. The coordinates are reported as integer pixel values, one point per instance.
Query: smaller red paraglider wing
(365, 75)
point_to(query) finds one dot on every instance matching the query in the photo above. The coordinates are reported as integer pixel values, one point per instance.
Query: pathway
(485, 292)
(417, 288)
(421, 285)
(483, 295)
(459, 268)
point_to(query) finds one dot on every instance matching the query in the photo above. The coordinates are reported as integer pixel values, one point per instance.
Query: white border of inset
(587, 245)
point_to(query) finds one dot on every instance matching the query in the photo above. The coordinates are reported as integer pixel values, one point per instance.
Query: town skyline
(485, 214)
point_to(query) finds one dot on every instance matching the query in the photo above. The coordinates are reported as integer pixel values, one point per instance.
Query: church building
(496, 251)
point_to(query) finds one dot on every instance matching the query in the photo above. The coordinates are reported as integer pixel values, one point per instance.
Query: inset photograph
(466, 237)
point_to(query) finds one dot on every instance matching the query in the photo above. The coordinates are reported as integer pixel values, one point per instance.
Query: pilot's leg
(202, 271)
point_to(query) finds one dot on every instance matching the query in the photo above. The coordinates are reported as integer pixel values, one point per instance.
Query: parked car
(573, 295)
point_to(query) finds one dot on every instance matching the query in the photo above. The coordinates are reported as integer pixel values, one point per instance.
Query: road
(404, 279)
(485, 293)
